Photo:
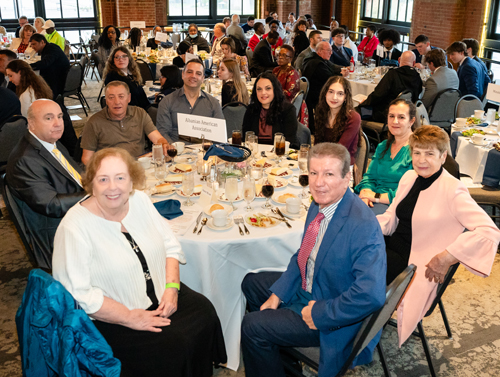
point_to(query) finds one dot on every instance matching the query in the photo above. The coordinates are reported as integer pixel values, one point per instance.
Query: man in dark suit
(472, 78)
(44, 179)
(314, 38)
(472, 50)
(262, 59)
(53, 66)
(334, 281)
(442, 77)
(392, 84)
(6, 56)
(23, 20)
(318, 69)
(340, 55)
(10, 105)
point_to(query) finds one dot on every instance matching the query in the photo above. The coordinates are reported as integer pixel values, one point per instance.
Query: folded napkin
(480, 125)
(169, 209)
(224, 150)
(453, 142)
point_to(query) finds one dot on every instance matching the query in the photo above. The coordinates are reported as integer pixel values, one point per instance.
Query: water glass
(160, 169)
(249, 191)
(253, 145)
(303, 154)
(247, 137)
(188, 187)
(231, 190)
(157, 151)
(279, 145)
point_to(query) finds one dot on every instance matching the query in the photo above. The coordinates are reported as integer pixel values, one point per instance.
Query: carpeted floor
(472, 304)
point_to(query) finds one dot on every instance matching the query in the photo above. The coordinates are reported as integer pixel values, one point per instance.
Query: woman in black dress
(300, 42)
(184, 46)
(170, 80)
(233, 89)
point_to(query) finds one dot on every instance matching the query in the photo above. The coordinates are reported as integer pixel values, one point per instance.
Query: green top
(56, 38)
(384, 173)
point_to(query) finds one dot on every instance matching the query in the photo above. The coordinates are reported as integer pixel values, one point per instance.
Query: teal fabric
(384, 173)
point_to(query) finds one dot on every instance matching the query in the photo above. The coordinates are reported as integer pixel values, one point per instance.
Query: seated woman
(22, 44)
(391, 159)
(119, 259)
(228, 49)
(269, 112)
(369, 43)
(195, 38)
(38, 24)
(426, 222)
(300, 40)
(121, 66)
(29, 85)
(233, 88)
(336, 120)
(289, 79)
(388, 54)
(182, 48)
(109, 39)
(134, 39)
(170, 81)
(153, 43)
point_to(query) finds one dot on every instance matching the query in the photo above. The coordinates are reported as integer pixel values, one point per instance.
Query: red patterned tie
(307, 246)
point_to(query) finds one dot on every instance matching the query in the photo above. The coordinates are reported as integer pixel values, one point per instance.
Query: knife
(197, 222)
(284, 218)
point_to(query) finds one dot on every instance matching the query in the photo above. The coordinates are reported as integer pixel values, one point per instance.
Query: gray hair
(332, 150)
(117, 83)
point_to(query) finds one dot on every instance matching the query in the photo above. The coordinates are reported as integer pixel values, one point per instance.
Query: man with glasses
(23, 20)
(340, 55)
(287, 76)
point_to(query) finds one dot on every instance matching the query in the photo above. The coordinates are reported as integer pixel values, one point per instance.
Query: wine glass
(172, 152)
(231, 190)
(205, 170)
(249, 191)
(279, 145)
(303, 159)
(188, 187)
(304, 182)
(267, 191)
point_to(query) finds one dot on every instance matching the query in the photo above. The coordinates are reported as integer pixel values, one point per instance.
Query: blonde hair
(3, 31)
(241, 89)
(25, 28)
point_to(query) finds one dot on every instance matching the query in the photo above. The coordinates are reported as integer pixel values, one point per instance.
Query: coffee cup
(179, 145)
(460, 122)
(490, 116)
(478, 139)
(293, 205)
(145, 162)
(479, 114)
(220, 218)
(149, 84)
(287, 147)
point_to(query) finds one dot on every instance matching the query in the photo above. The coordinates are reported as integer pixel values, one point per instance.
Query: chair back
(249, 53)
(450, 65)
(97, 63)
(17, 218)
(442, 109)
(297, 102)
(146, 73)
(406, 94)
(303, 134)
(73, 80)
(422, 115)
(442, 287)
(361, 160)
(466, 105)
(451, 166)
(153, 112)
(491, 75)
(84, 61)
(304, 86)
(176, 39)
(11, 132)
(103, 102)
(234, 112)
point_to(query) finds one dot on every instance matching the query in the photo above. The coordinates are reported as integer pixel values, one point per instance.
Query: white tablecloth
(364, 87)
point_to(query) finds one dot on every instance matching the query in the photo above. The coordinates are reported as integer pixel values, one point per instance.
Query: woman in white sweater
(29, 85)
(120, 260)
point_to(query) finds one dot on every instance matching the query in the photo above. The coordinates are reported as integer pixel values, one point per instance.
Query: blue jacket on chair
(57, 338)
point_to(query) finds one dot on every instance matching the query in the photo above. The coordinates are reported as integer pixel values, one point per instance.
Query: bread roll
(216, 207)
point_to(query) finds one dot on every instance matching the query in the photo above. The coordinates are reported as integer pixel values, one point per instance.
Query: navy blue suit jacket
(472, 78)
(349, 280)
(338, 59)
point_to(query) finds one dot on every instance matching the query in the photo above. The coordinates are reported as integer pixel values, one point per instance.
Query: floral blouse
(290, 82)
(242, 62)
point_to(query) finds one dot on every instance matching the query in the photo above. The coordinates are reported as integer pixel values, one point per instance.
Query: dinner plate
(479, 145)
(301, 213)
(268, 164)
(490, 131)
(193, 196)
(291, 164)
(185, 159)
(280, 182)
(294, 181)
(222, 198)
(159, 197)
(210, 224)
(227, 207)
(275, 197)
(266, 224)
(172, 169)
(288, 173)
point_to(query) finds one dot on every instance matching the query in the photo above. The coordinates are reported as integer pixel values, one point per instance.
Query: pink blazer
(441, 214)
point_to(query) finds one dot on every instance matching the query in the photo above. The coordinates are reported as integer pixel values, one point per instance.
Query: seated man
(43, 177)
(340, 55)
(472, 50)
(314, 38)
(189, 99)
(249, 25)
(6, 56)
(423, 46)
(257, 37)
(262, 59)
(274, 25)
(236, 31)
(334, 281)
(119, 125)
(442, 77)
(472, 78)
(392, 84)
(219, 35)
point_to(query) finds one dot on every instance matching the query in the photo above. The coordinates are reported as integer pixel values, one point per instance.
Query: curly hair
(276, 107)
(135, 37)
(412, 112)
(132, 65)
(297, 24)
(29, 79)
(104, 40)
(322, 117)
(390, 34)
(26, 27)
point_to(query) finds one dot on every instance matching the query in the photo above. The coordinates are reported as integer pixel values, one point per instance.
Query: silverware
(276, 212)
(283, 217)
(203, 222)
(197, 222)
(241, 221)
(263, 154)
(306, 207)
(237, 222)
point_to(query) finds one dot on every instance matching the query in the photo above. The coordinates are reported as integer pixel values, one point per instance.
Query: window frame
(212, 18)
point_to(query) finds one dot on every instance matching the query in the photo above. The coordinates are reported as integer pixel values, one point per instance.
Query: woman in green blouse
(391, 160)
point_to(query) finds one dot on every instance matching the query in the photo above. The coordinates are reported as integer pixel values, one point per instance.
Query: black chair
(297, 102)
(234, 112)
(153, 113)
(73, 86)
(422, 115)
(303, 134)
(102, 101)
(249, 53)
(145, 70)
(94, 66)
(370, 327)
(11, 132)
(304, 86)
(442, 109)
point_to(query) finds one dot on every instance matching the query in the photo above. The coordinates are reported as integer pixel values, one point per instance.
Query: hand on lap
(272, 303)
(307, 316)
(168, 303)
(144, 320)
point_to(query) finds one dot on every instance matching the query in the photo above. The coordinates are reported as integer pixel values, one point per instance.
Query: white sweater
(93, 259)
(26, 98)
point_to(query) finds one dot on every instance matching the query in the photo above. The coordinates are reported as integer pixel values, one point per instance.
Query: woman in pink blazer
(426, 222)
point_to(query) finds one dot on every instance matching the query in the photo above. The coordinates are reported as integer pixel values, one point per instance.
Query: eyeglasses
(284, 56)
(111, 32)
(121, 57)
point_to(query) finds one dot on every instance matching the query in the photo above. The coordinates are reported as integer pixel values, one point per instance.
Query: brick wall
(108, 12)
(161, 12)
(135, 10)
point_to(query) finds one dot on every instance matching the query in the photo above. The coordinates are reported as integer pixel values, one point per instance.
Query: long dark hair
(135, 37)
(132, 65)
(173, 75)
(412, 110)
(322, 117)
(276, 107)
(29, 79)
(104, 41)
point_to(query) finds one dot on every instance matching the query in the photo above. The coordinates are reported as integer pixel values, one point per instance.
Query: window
(208, 11)
(400, 10)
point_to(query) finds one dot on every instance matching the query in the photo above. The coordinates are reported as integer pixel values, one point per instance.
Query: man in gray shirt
(314, 38)
(189, 99)
(236, 31)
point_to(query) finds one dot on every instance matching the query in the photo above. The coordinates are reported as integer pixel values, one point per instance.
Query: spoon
(277, 213)
(203, 222)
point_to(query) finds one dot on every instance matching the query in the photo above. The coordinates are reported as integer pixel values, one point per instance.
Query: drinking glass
(231, 190)
(172, 152)
(267, 191)
(236, 137)
(304, 182)
(205, 170)
(249, 191)
(279, 145)
(303, 160)
(247, 137)
(188, 187)
(157, 151)
(253, 145)
(256, 172)
(160, 169)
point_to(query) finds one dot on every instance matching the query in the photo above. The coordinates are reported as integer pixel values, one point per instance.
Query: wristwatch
(377, 197)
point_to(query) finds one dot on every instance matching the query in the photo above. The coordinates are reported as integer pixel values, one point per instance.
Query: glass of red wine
(267, 191)
(172, 152)
(304, 182)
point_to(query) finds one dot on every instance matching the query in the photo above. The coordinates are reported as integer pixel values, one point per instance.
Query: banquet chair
(487, 198)
(249, 53)
(176, 39)
(297, 102)
(369, 329)
(304, 86)
(145, 70)
(11, 132)
(153, 112)
(422, 115)
(466, 105)
(73, 85)
(361, 160)
(442, 109)
(234, 112)
(303, 134)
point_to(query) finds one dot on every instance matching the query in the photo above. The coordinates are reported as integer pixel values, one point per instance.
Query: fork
(241, 221)
(237, 222)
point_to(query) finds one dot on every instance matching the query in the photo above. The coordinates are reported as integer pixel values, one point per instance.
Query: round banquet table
(217, 261)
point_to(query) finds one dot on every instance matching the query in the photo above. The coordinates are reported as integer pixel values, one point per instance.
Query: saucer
(301, 213)
(210, 224)
(479, 145)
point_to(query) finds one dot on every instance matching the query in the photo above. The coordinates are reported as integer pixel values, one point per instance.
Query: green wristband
(173, 285)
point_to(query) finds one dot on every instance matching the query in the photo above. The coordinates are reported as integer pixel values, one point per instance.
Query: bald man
(43, 178)
(392, 84)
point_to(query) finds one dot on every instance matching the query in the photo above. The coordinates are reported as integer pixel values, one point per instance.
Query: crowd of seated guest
(233, 87)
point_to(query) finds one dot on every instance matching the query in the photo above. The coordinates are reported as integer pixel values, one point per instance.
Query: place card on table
(161, 37)
(191, 56)
(138, 24)
(180, 225)
(195, 126)
(205, 196)
(493, 93)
